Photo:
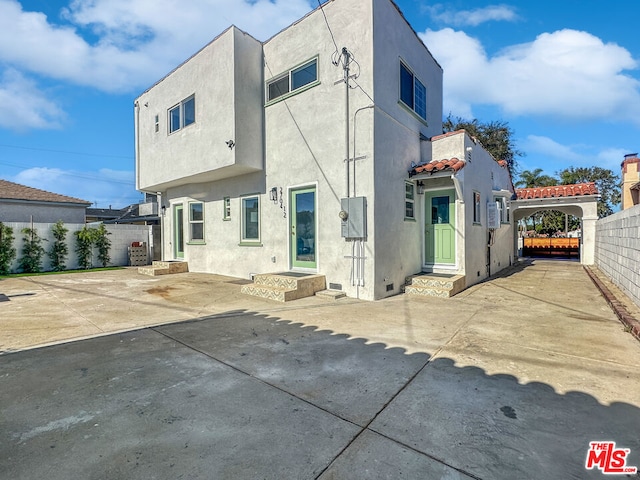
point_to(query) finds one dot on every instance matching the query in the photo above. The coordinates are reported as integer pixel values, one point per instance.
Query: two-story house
(321, 150)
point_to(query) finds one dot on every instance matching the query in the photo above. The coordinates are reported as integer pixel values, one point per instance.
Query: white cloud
(567, 73)
(578, 155)
(550, 148)
(29, 107)
(103, 187)
(136, 41)
(441, 13)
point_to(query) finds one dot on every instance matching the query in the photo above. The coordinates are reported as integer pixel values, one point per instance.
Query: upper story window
(413, 93)
(295, 79)
(182, 114)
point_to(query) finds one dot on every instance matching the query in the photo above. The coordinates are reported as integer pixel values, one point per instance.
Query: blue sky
(564, 75)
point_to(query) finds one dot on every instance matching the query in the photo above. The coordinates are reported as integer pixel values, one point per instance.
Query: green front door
(439, 229)
(303, 228)
(178, 231)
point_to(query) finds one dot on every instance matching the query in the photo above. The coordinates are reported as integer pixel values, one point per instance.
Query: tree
(496, 137)
(32, 251)
(7, 251)
(546, 221)
(103, 243)
(59, 249)
(84, 246)
(531, 179)
(607, 182)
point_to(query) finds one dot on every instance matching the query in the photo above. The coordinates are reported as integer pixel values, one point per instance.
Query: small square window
(183, 114)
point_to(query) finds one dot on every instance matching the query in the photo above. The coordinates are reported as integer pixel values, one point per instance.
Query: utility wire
(336, 54)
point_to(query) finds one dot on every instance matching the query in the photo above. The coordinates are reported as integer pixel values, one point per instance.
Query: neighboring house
(630, 181)
(94, 215)
(19, 203)
(245, 145)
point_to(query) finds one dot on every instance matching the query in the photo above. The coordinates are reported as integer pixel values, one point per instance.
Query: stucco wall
(398, 130)
(121, 238)
(40, 212)
(226, 79)
(617, 251)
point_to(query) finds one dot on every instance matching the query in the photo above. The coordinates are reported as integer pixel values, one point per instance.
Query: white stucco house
(246, 145)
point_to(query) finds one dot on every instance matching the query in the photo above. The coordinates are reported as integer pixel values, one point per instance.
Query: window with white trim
(293, 80)
(196, 222)
(227, 208)
(182, 114)
(250, 221)
(503, 209)
(409, 201)
(413, 93)
(476, 207)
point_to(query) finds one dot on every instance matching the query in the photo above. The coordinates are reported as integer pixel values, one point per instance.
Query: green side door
(178, 231)
(439, 229)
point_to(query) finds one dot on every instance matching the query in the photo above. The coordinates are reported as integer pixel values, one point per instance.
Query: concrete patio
(183, 377)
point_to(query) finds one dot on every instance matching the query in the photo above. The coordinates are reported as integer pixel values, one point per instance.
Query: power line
(104, 155)
(337, 50)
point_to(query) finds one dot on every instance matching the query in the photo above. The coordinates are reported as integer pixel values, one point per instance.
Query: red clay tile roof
(578, 189)
(15, 191)
(437, 166)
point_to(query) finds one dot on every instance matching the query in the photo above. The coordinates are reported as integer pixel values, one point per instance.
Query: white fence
(618, 250)
(121, 237)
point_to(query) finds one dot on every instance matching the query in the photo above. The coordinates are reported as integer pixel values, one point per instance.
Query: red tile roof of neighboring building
(433, 166)
(575, 190)
(15, 191)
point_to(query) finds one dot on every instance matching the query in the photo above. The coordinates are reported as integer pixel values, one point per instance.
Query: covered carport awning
(580, 200)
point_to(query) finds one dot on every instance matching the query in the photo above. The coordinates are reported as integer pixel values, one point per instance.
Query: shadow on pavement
(246, 396)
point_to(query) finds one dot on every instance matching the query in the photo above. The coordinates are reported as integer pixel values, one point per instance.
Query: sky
(565, 77)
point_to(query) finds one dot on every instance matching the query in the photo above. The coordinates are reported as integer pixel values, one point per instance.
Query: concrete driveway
(509, 380)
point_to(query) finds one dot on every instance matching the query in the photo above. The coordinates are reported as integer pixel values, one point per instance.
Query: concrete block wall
(121, 238)
(618, 250)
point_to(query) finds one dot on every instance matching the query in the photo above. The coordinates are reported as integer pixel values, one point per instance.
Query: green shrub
(7, 251)
(104, 245)
(32, 251)
(84, 246)
(59, 248)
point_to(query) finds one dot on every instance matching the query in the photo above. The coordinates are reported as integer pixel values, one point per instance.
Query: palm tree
(532, 179)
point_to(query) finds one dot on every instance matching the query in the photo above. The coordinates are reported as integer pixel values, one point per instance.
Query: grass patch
(63, 272)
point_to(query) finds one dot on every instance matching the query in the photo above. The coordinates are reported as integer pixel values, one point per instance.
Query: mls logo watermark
(609, 459)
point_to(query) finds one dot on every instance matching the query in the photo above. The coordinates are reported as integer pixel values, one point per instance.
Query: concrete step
(330, 294)
(435, 285)
(285, 286)
(164, 268)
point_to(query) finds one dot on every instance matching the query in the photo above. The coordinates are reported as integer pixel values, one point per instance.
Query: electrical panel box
(493, 215)
(355, 225)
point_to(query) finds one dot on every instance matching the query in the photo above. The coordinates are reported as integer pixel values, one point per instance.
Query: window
(227, 208)
(250, 211)
(157, 123)
(476, 207)
(409, 200)
(292, 80)
(413, 93)
(503, 209)
(196, 222)
(183, 114)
